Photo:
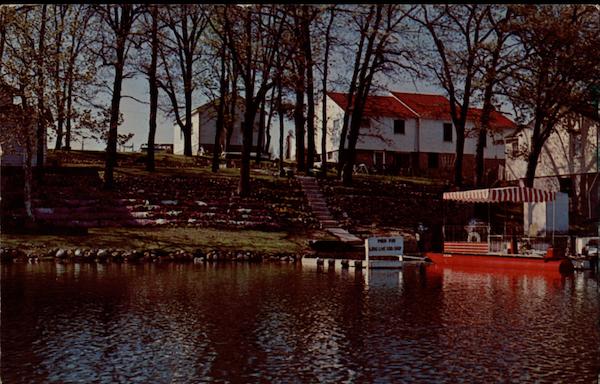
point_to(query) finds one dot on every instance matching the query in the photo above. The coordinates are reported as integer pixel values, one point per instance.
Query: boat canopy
(497, 195)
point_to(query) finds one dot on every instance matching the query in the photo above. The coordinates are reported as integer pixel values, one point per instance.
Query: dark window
(515, 148)
(402, 160)
(399, 127)
(485, 141)
(447, 132)
(432, 160)
(378, 159)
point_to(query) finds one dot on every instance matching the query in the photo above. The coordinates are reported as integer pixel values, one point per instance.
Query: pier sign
(384, 252)
(384, 246)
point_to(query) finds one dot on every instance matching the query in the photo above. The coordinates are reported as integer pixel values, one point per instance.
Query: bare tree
(559, 68)
(253, 35)
(153, 86)
(180, 56)
(71, 71)
(381, 26)
(325, 74)
(22, 31)
(308, 16)
(118, 22)
(457, 33)
(497, 61)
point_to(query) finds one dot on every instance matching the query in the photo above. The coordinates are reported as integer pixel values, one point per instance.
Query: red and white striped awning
(496, 195)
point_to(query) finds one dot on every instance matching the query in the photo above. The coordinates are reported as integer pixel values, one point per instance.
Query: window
(485, 141)
(399, 127)
(515, 148)
(379, 160)
(336, 124)
(402, 160)
(432, 160)
(448, 132)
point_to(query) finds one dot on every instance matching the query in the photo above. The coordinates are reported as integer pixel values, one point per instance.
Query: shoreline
(102, 255)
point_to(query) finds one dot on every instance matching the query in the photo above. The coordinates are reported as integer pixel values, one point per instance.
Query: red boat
(477, 247)
(562, 265)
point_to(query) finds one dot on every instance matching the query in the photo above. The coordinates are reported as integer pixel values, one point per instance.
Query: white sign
(384, 246)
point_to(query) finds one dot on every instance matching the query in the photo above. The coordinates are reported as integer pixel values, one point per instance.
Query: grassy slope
(168, 238)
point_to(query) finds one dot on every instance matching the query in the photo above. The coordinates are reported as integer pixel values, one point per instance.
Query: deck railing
(526, 245)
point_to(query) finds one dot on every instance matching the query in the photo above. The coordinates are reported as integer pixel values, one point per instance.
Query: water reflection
(282, 323)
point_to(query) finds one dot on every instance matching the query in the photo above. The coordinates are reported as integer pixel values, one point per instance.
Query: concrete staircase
(317, 203)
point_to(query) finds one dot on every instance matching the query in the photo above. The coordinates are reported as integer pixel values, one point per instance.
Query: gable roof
(437, 107)
(376, 106)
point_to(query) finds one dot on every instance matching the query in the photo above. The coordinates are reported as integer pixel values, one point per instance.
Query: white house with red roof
(411, 133)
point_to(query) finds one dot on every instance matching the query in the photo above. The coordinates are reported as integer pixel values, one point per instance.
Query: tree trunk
(41, 122)
(299, 118)
(153, 85)
(310, 92)
(324, 110)
(261, 131)
(281, 127)
(111, 147)
(532, 161)
(59, 132)
(69, 114)
(27, 184)
(479, 157)
(187, 132)
(249, 115)
(349, 103)
(458, 162)
(224, 85)
(232, 111)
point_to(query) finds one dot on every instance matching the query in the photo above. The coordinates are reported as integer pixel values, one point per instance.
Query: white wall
(563, 154)
(204, 124)
(541, 219)
(381, 136)
(432, 140)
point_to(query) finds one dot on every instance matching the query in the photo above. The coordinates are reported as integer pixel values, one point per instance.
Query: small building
(204, 121)
(568, 162)
(411, 133)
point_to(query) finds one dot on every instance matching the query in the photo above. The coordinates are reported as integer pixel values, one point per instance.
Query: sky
(136, 114)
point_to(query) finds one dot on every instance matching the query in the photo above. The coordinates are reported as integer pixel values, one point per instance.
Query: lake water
(120, 323)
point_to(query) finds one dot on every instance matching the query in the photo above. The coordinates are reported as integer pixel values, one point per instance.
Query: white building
(411, 133)
(204, 120)
(568, 162)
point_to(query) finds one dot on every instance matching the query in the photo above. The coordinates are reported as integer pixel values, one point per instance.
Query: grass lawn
(170, 239)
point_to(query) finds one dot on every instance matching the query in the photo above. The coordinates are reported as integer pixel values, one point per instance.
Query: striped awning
(497, 195)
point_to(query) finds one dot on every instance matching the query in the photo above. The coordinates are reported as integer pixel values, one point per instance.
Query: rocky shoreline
(98, 255)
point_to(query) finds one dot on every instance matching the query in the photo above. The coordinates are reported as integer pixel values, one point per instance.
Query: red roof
(376, 106)
(497, 119)
(437, 107)
(426, 106)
